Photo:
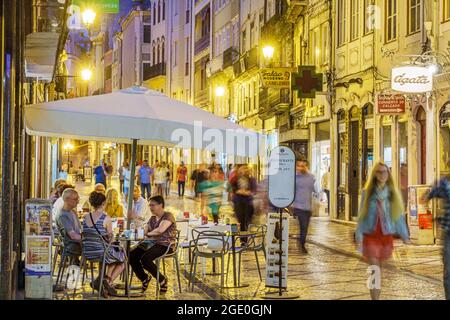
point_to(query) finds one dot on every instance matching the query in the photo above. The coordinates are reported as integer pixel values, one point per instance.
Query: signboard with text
(391, 104)
(277, 78)
(99, 6)
(412, 79)
(282, 177)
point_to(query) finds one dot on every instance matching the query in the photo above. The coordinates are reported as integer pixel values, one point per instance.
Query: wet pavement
(332, 270)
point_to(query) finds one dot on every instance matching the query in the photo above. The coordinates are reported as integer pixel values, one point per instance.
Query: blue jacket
(368, 224)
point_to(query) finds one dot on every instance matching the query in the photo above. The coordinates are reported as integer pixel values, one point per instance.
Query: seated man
(141, 211)
(68, 224)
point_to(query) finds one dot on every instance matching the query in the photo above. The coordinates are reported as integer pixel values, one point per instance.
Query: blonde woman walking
(381, 216)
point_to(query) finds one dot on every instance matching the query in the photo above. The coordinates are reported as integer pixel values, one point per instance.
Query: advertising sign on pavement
(282, 177)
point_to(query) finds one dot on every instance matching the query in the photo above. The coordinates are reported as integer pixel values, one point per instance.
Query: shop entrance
(353, 179)
(421, 118)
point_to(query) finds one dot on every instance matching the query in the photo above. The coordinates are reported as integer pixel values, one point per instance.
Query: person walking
(326, 187)
(168, 179)
(244, 188)
(212, 193)
(181, 179)
(304, 189)
(381, 216)
(126, 179)
(441, 190)
(100, 174)
(145, 174)
(160, 179)
(121, 177)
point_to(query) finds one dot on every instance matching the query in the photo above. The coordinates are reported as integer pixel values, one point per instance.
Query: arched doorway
(354, 168)
(367, 142)
(421, 118)
(341, 164)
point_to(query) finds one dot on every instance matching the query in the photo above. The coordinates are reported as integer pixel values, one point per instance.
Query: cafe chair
(169, 255)
(210, 245)
(255, 244)
(91, 238)
(66, 257)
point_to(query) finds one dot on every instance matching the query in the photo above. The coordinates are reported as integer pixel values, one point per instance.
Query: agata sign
(412, 79)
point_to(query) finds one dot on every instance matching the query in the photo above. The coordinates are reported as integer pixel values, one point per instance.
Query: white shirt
(126, 177)
(161, 175)
(142, 211)
(57, 206)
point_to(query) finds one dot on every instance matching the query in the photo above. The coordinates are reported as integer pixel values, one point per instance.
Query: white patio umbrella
(139, 115)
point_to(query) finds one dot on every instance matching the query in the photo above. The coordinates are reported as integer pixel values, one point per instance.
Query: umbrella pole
(132, 181)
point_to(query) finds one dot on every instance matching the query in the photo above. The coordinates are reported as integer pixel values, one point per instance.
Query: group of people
(103, 206)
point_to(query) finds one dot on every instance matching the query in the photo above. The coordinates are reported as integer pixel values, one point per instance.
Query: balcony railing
(155, 71)
(202, 44)
(274, 101)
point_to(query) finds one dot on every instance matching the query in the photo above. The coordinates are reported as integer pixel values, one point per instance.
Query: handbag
(117, 252)
(146, 244)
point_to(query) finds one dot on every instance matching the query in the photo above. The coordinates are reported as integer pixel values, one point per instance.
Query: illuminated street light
(88, 17)
(268, 52)
(433, 68)
(68, 147)
(86, 74)
(220, 91)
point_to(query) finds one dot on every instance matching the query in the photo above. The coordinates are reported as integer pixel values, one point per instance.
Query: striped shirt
(442, 190)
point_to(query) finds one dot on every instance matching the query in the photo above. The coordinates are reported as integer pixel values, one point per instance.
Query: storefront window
(403, 159)
(321, 156)
(367, 142)
(387, 145)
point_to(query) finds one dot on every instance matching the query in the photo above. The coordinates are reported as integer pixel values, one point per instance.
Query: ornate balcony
(273, 102)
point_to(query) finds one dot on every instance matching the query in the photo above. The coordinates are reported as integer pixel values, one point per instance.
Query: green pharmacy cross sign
(99, 6)
(307, 82)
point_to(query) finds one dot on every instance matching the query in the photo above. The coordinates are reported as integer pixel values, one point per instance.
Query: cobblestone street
(332, 269)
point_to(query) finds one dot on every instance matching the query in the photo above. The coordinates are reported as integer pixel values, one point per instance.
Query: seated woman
(114, 208)
(160, 232)
(98, 222)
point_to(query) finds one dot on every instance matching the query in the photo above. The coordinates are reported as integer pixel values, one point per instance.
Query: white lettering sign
(282, 177)
(412, 79)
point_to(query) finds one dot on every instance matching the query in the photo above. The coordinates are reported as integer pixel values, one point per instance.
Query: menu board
(38, 217)
(38, 255)
(420, 215)
(274, 231)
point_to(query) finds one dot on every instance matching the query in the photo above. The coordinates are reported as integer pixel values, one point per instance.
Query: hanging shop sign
(277, 78)
(412, 79)
(307, 82)
(444, 115)
(391, 104)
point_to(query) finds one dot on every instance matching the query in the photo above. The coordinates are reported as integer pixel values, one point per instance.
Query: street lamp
(68, 147)
(86, 74)
(88, 17)
(268, 52)
(220, 91)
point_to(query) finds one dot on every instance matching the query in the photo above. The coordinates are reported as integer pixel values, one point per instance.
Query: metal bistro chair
(216, 242)
(91, 238)
(169, 255)
(255, 244)
(66, 256)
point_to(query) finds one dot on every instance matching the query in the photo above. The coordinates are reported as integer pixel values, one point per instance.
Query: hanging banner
(277, 78)
(275, 232)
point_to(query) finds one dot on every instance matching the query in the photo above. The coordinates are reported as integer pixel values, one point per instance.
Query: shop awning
(144, 115)
(40, 55)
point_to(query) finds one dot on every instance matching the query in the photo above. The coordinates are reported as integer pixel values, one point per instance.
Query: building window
(159, 11)
(154, 53)
(163, 51)
(175, 54)
(391, 20)
(159, 53)
(446, 10)
(369, 16)
(341, 21)
(154, 13)
(414, 16)
(244, 41)
(325, 40)
(164, 10)
(354, 25)
(147, 34)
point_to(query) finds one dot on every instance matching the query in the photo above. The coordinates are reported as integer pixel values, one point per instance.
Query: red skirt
(378, 245)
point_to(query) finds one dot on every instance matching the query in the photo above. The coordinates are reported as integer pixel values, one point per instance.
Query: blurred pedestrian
(198, 176)
(326, 187)
(442, 190)
(168, 179)
(160, 179)
(100, 173)
(212, 193)
(181, 179)
(304, 188)
(244, 188)
(381, 216)
(121, 177)
(126, 179)
(56, 192)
